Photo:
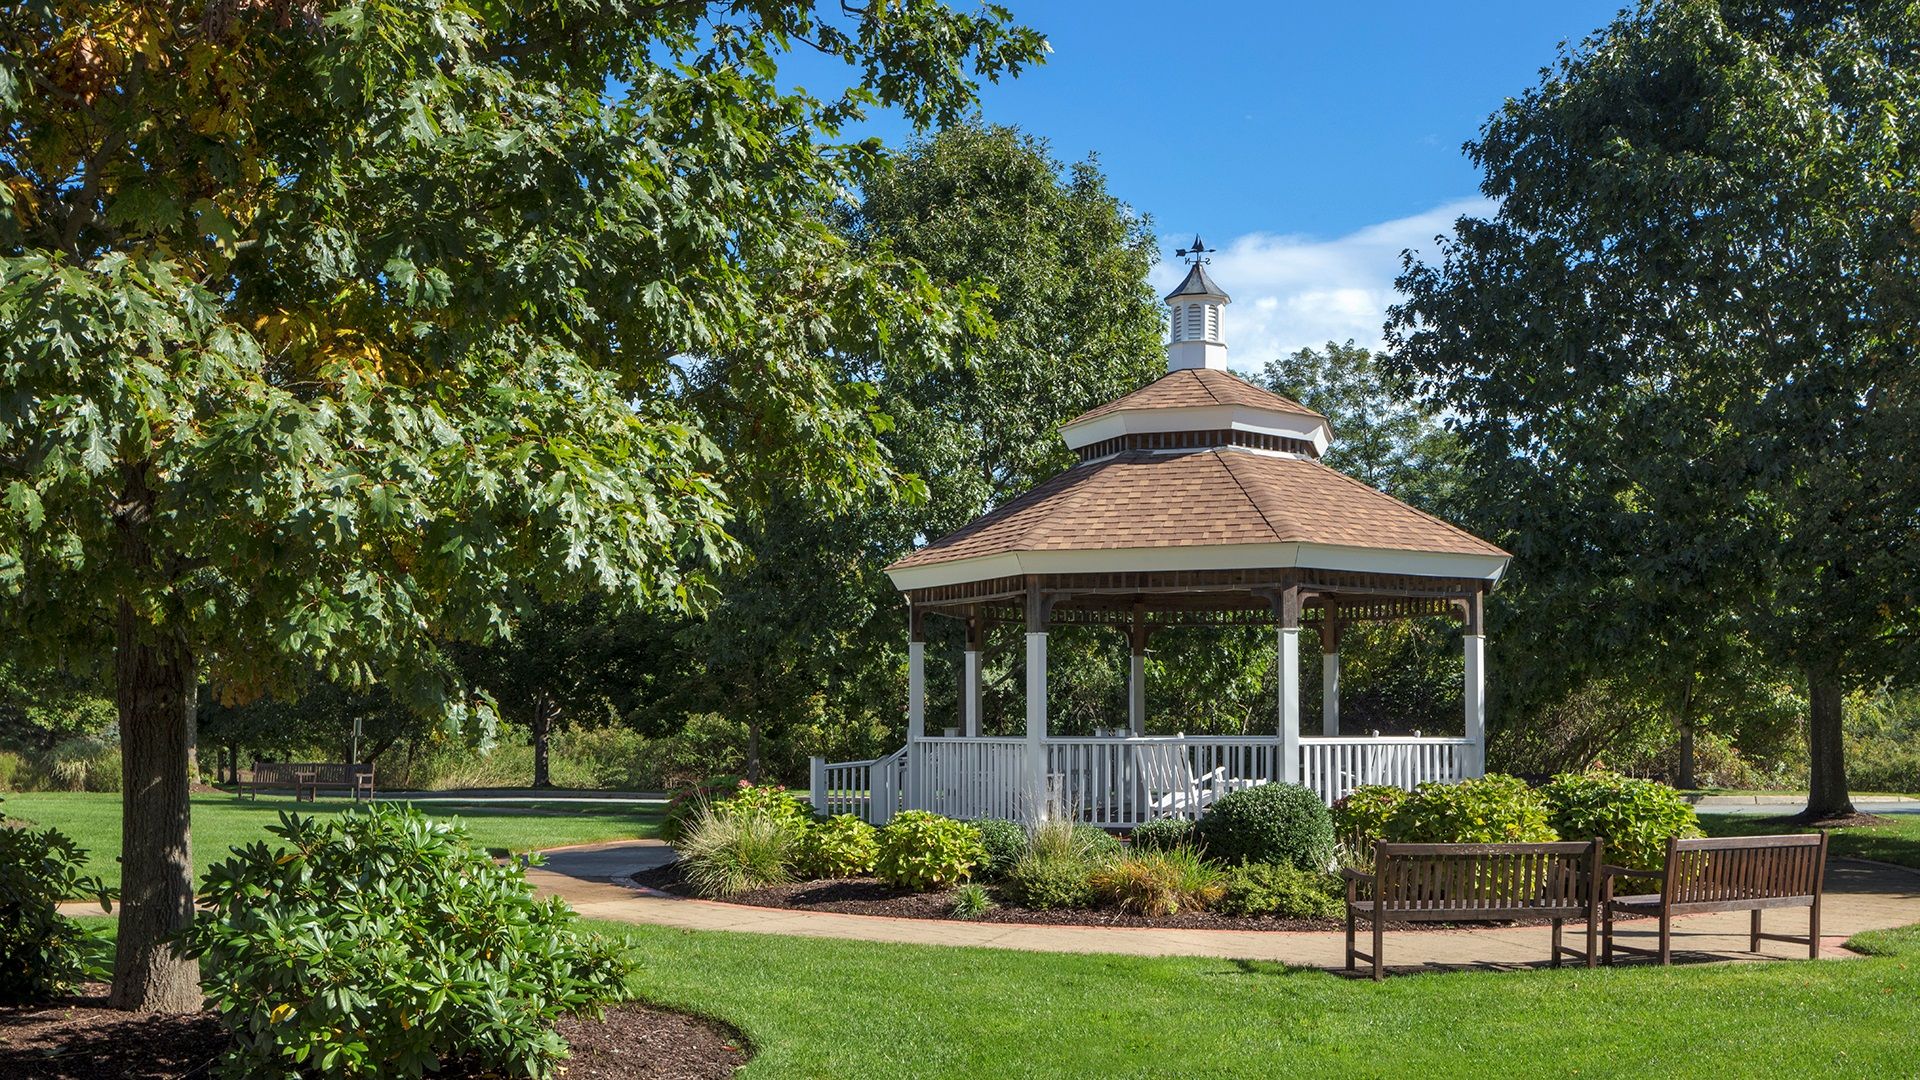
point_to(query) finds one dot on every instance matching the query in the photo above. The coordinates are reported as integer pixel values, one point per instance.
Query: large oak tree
(332, 331)
(1683, 350)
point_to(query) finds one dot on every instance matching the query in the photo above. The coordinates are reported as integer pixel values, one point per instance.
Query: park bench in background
(1728, 873)
(1477, 882)
(306, 778)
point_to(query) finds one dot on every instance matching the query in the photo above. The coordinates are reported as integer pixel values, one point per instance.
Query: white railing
(1104, 781)
(1332, 767)
(970, 778)
(869, 790)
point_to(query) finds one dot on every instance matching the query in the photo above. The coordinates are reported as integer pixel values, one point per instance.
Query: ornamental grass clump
(379, 943)
(1158, 882)
(1492, 809)
(1635, 817)
(725, 855)
(1056, 869)
(1283, 823)
(44, 954)
(841, 846)
(921, 850)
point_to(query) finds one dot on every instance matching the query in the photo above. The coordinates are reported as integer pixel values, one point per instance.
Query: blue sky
(1312, 142)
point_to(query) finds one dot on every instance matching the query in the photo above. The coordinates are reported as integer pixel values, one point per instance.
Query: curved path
(1860, 896)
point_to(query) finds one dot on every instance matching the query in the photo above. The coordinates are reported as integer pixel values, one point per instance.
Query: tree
(1682, 350)
(331, 332)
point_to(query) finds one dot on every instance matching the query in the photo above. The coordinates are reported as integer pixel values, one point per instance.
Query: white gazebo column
(1037, 702)
(1329, 672)
(1288, 603)
(1475, 693)
(916, 679)
(1137, 676)
(970, 674)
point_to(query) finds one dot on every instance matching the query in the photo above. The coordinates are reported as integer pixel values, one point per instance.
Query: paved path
(1789, 805)
(1860, 896)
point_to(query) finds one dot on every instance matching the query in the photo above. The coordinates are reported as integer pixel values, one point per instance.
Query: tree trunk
(1684, 778)
(155, 690)
(1827, 794)
(542, 734)
(753, 751)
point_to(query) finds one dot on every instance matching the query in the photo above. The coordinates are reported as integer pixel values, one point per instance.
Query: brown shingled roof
(1191, 387)
(1216, 497)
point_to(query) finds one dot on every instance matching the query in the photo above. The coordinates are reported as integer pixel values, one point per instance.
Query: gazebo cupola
(1199, 499)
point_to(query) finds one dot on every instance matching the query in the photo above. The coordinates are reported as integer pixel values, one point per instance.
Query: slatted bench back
(1484, 878)
(332, 774)
(1723, 868)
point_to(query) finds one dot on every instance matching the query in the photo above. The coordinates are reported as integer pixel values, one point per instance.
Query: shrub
(970, 901)
(1270, 823)
(1634, 817)
(381, 943)
(724, 855)
(841, 846)
(1060, 837)
(13, 770)
(921, 850)
(1046, 882)
(1281, 890)
(1158, 882)
(1361, 817)
(1165, 834)
(772, 801)
(44, 954)
(1494, 809)
(1005, 842)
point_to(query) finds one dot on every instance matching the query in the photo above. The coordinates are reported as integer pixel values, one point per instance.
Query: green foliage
(921, 851)
(1283, 891)
(692, 801)
(1492, 809)
(380, 943)
(1883, 741)
(841, 846)
(44, 954)
(972, 900)
(1702, 443)
(1004, 841)
(772, 801)
(1158, 882)
(1360, 817)
(724, 855)
(1635, 817)
(1165, 834)
(1050, 881)
(1269, 823)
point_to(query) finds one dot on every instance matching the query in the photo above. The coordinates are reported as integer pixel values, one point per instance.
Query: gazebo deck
(1116, 783)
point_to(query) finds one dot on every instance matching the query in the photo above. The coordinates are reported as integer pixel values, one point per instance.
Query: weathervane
(1196, 254)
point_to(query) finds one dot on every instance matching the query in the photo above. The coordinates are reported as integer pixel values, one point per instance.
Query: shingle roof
(1210, 498)
(1197, 283)
(1190, 387)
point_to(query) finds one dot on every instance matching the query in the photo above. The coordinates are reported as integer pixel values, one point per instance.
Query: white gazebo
(1198, 499)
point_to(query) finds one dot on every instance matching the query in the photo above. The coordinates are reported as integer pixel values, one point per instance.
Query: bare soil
(80, 1039)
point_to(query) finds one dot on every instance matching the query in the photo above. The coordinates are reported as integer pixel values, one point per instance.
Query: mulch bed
(81, 1039)
(871, 896)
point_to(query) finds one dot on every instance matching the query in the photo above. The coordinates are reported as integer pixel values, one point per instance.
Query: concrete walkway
(1860, 896)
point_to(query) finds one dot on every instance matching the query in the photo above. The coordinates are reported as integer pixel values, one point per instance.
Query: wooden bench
(306, 778)
(1728, 873)
(1477, 882)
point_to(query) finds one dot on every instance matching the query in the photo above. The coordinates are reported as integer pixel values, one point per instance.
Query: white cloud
(1293, 291)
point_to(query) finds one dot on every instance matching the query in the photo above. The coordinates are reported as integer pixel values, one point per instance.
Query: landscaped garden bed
(79, 1038)
(1262, 858)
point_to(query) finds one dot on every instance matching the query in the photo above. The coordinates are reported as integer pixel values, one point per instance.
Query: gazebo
(1198, 499)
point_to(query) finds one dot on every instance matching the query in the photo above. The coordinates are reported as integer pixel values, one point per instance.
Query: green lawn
(833, 1008)
(221, 822)
(1896, 842)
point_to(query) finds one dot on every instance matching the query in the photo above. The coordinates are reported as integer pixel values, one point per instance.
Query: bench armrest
(1351, 874)
(1612, 871)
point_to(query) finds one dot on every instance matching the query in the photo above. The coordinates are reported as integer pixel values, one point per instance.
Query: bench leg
(1753, 932)
(1559, 925)
(1593, 927)
(1606, 938)
(1666, 939)
(1813, 930)
(1349, 938)
(1379, 943)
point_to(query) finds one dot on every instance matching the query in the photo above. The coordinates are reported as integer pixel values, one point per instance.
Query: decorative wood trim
(1196, 440)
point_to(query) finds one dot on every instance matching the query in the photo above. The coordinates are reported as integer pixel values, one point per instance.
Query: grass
(836, 1008)
(221, 822)
(1898, 841)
